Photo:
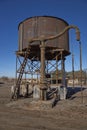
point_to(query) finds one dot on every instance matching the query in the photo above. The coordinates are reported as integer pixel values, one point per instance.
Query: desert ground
(27, 114)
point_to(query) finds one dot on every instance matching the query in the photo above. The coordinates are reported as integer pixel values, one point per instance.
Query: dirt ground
(27, 114)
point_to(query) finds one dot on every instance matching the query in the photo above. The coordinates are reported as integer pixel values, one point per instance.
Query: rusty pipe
(42, 38)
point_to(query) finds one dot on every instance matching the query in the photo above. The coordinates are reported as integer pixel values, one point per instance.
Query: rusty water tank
(38, 26)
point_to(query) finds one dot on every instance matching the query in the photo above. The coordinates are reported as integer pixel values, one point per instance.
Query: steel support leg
(63, 69)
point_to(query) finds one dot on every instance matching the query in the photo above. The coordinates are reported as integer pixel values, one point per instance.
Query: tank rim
(42, 16)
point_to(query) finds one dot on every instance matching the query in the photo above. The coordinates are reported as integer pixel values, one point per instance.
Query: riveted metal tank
(45, 26)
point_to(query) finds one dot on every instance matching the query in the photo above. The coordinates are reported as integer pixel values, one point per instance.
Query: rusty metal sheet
(43, 26)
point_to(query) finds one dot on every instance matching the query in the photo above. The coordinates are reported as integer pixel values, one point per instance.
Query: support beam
(56, 70)
(63, 69)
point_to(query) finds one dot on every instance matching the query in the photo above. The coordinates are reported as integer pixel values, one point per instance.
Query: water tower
(43, 42)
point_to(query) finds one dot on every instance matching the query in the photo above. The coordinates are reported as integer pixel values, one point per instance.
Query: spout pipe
(42, 38)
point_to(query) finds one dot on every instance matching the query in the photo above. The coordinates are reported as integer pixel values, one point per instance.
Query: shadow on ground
(71, 91)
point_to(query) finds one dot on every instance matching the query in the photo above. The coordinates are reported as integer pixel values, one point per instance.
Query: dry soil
(28, 114)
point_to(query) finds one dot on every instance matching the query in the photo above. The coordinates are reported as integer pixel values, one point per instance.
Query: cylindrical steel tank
(36, 27)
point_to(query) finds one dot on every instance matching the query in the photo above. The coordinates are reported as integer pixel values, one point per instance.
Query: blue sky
(12, 12)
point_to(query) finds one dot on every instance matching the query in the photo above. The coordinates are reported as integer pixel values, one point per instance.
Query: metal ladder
(18, 82)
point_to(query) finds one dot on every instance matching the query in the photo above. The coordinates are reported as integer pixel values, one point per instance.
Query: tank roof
(43, 16)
